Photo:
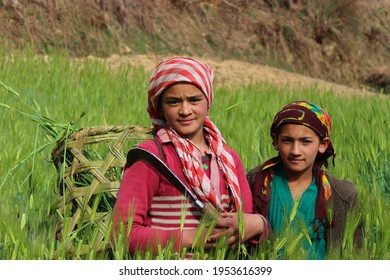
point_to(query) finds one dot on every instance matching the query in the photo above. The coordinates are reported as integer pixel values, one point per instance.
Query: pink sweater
(158, 207)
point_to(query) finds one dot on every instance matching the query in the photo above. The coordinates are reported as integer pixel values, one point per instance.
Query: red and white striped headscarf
(184, 69)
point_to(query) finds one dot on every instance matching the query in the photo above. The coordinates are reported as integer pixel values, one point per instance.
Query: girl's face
(185, 109)
(298, 146)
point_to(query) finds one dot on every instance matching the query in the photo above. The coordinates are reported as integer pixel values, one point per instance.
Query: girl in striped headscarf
(179, 98)
(293, 191)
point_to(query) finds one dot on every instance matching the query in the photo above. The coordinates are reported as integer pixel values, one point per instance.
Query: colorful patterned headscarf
(312, 116)
(189, 70)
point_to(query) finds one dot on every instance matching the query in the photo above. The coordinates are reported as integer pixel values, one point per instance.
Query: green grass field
(64, 90)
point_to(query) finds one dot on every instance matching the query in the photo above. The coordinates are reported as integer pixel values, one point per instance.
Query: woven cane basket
(89, 163)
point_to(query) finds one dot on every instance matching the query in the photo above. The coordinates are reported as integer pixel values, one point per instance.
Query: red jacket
(157, 206)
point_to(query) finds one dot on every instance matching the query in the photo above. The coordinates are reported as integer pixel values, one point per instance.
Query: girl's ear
(275, 141)
(324, 143)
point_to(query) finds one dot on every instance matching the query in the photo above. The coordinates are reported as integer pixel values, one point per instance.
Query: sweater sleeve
(356, 209)
(139, 185)
(345, 206)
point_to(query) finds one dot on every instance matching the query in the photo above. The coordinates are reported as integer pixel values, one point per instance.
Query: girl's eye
(194, 100)
(306, 141)
(172, 101)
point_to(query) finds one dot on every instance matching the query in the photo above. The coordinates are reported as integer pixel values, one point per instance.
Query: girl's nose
(295, 149)
(185, 108)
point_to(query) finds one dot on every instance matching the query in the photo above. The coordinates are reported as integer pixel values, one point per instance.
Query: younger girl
(301, 134)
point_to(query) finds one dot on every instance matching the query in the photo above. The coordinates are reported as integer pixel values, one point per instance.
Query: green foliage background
(63, 90)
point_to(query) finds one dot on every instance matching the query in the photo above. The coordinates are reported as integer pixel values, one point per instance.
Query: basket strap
(160, 149)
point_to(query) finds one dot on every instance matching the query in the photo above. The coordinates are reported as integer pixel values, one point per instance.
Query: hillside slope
(342, 41)
(231, 73)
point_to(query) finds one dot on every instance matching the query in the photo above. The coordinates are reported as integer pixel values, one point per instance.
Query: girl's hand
(253, 224)
(188, 238)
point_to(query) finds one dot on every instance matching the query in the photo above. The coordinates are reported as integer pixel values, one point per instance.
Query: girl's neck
(298, 182)
(292, 176)
(201, 144)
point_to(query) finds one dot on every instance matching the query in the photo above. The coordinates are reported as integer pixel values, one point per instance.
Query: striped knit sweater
(160, 211)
